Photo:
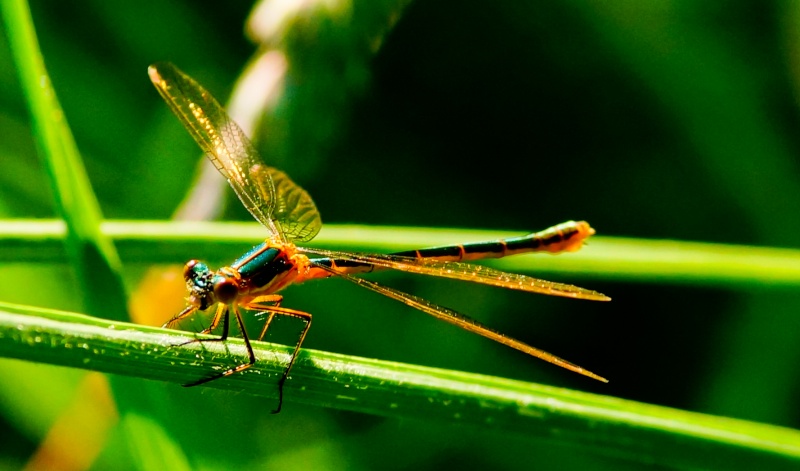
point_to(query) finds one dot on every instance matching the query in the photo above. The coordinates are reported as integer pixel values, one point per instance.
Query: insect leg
(273, 310)
(221, 312)
(226, 327)
(188, 311)
(265, 304)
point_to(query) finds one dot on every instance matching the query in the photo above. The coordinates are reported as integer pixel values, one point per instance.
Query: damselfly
(252, 282)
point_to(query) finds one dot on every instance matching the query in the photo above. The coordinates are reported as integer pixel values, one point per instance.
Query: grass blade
(92, 254)
(613, 258)
(629, 430)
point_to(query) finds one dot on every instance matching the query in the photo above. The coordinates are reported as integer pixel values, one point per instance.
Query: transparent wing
(462, 271)
(271, 197)
(460, 320)
(293, 210)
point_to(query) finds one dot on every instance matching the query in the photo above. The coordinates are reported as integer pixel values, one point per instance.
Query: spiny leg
(265, 304)
(222, 313)
(215, 322)
(187, 311)
(226, 325)
(257, 305)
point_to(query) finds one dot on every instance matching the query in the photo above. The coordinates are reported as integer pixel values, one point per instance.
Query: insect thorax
(265, 267)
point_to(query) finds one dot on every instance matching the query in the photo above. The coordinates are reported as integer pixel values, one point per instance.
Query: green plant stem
(614, 258)
(92, 255)
(629, 430)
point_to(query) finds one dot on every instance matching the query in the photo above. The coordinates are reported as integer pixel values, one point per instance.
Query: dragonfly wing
(293, 210)
(464, 271)
(266, 192)
(467, 323)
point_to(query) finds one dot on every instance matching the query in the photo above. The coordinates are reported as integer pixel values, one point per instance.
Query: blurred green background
(667, 120)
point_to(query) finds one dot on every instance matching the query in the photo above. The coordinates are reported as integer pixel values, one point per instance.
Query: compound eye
(193, 269)
(225, 289)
